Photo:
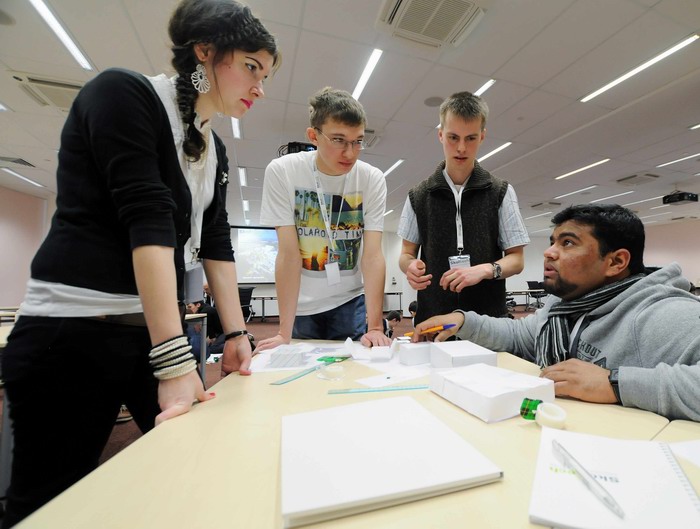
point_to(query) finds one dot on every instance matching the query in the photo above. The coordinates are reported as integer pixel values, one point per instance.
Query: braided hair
(225, 24)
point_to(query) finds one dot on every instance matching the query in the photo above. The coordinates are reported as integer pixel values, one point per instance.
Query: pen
(433, 329)
(589, 481)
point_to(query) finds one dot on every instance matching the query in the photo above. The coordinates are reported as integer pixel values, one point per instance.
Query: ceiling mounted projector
(680, 197)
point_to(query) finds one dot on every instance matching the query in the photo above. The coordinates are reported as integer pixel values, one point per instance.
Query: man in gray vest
(465, 222)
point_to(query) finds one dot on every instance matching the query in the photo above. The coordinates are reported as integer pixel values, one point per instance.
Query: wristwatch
(496, 270)
(614, 383)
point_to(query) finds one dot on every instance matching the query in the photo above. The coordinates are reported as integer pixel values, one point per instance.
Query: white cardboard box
(460, 353)
(411, 354)
(491, 393)
(380, 353)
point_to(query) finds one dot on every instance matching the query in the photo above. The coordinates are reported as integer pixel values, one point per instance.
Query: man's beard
(559, 287)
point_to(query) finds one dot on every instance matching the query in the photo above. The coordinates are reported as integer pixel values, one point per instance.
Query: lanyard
(575, 335)
(458, 217)
(322, 203)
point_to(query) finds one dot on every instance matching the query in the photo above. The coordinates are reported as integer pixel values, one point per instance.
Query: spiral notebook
(643, 477)
(365, 456)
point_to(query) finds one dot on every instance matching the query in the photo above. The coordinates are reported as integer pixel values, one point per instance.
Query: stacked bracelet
(235, 334)
(172, 358)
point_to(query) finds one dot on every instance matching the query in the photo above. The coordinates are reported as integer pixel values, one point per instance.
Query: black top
(434, 205)
(120, 186)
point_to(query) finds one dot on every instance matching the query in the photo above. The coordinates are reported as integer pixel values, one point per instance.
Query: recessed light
(574, 192)
(641, 67)
(495, 151)
(611, 196)
(488, 84)
(61, 33)
(369, 68)
(398, 162)
(13, 173)
(236, 128)
(583, 169)
(679, 160)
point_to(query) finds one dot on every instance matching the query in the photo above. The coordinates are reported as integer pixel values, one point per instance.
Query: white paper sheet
(689, 450)
(390, 378)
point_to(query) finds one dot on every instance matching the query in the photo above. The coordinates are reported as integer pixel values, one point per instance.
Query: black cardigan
(120, 186)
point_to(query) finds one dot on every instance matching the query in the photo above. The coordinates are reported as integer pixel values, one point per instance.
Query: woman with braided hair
(141, 190)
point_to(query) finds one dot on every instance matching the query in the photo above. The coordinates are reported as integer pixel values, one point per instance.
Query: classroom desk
(527, 293)
(7, 316)
(677, 431)
(400, 294)
(218, 466)
(262, 300)
(4, 333)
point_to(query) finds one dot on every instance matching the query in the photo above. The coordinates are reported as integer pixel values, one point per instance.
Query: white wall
(675, 242)
(23, 223)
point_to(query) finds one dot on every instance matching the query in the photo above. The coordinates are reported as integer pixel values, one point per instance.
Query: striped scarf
(552, 344)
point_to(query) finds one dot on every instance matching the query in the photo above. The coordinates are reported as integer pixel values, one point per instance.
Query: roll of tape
(331, 372)
(551, 415)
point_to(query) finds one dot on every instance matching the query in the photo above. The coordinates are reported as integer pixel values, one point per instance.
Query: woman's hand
(237, 356)
(176, 395)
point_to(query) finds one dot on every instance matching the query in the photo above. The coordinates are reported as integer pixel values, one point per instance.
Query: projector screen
(256, 251)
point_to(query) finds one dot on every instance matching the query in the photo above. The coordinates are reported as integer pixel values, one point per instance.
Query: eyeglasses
(341, 144)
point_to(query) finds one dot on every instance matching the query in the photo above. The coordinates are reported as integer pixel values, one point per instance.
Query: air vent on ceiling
(18, 161)
(638, 179)
(48, 92)
(431, 22)
(371, 137)
(546, 206)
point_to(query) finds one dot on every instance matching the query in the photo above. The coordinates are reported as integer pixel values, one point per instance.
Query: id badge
(333, 273)
(459, 261)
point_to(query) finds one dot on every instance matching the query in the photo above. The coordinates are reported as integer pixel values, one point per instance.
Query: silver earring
(199, 79)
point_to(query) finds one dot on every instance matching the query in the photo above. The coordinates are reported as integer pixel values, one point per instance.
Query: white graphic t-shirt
(354, 202)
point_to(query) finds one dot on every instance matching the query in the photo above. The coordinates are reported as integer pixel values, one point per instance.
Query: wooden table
(218, 466)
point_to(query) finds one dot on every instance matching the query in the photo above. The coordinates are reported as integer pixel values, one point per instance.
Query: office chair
(245, 294)
(537, 296)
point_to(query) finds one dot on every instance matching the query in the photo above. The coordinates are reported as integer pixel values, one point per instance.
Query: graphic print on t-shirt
(347, 225)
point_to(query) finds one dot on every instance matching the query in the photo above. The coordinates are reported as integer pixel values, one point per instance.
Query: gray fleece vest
(434, 205)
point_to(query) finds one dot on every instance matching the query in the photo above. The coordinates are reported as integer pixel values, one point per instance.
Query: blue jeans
(346, 321)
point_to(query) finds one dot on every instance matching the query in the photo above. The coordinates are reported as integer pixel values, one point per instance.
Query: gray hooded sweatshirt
(650, 332)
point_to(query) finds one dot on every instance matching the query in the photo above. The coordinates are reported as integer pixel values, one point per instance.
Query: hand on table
(581, 380)
(237, 356)
(271, 343)
(375, 337)
(176, 395)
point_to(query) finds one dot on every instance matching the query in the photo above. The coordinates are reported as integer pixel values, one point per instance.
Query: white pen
(587, 479)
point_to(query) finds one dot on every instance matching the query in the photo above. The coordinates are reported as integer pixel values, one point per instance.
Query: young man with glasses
(328, 209)
(465, 222)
